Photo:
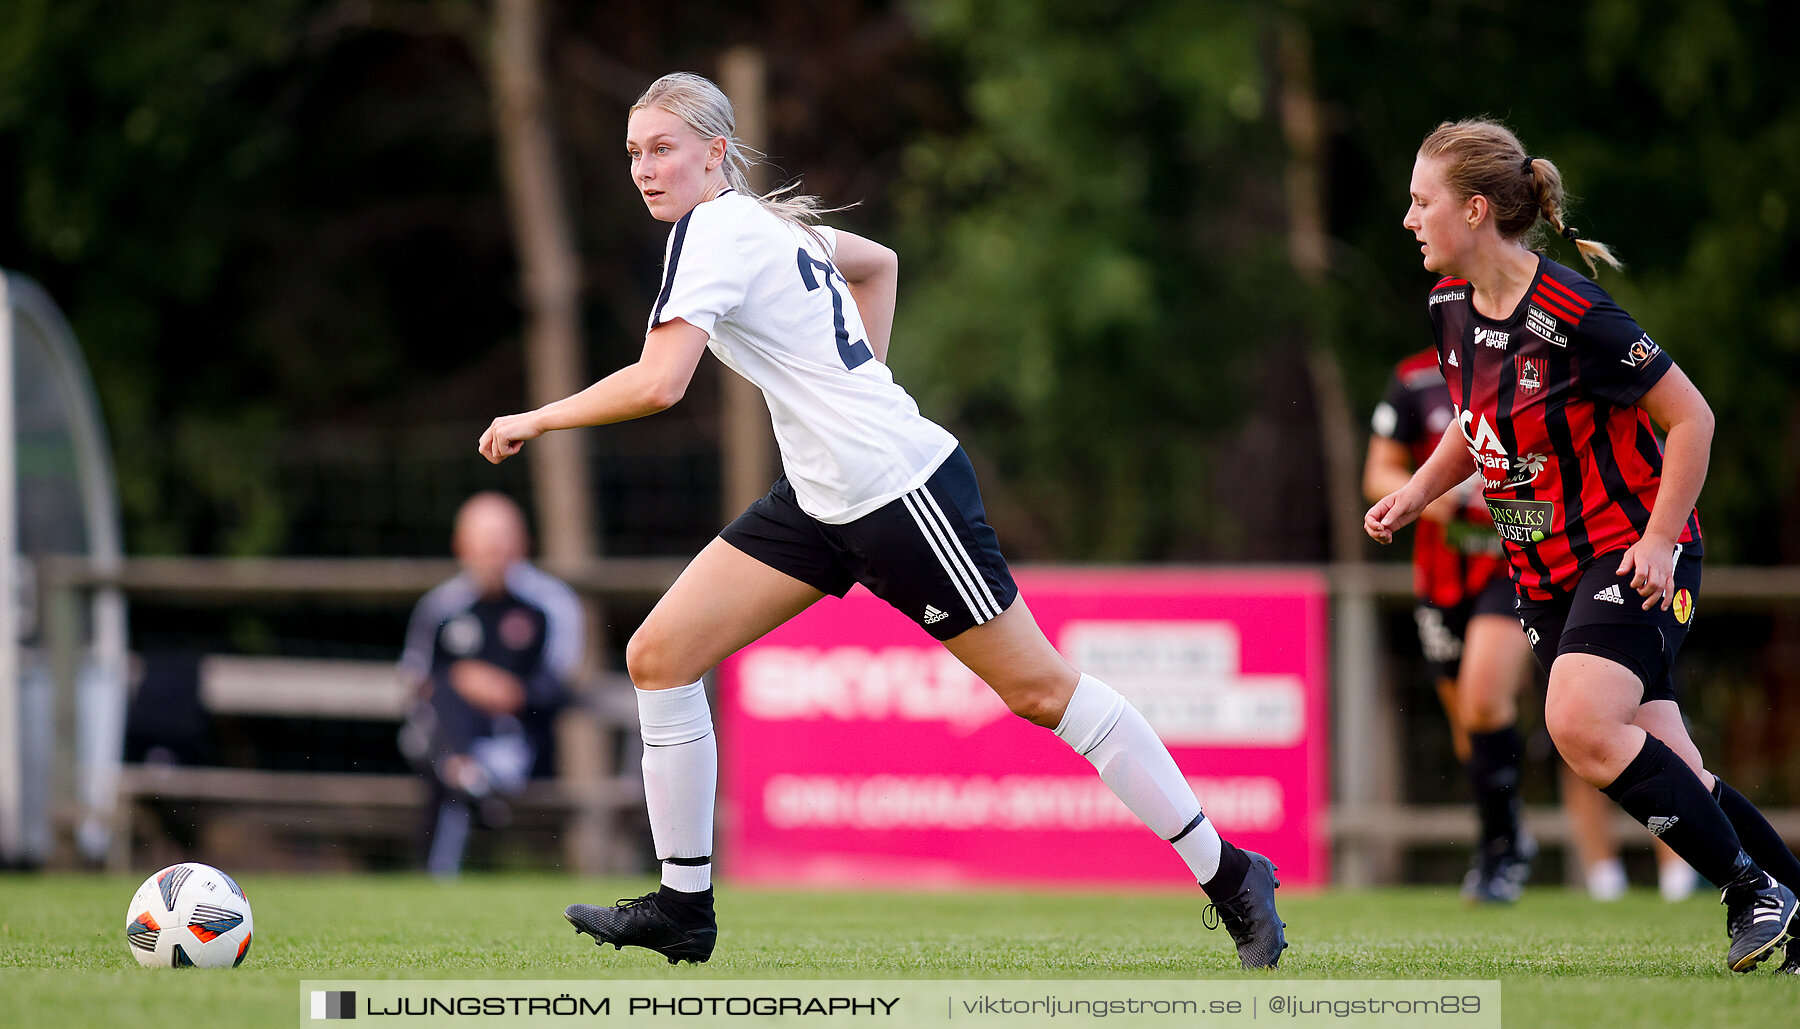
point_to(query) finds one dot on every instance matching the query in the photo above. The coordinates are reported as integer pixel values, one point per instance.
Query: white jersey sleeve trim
(704, 277)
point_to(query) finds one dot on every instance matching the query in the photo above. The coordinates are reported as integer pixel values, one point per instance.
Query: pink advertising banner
(857, 751)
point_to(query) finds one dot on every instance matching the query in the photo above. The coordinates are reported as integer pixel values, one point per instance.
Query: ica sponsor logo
(1484, 446)
(1496, 338)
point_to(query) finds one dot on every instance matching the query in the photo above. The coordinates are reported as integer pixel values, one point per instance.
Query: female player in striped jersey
(1470, 637)
(872, 493)
(1555, 389)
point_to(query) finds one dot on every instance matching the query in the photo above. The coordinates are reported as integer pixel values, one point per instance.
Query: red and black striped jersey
(1452, 561)
(1546, 401)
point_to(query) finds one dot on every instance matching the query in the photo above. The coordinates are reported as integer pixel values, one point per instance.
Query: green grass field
(1563, 960)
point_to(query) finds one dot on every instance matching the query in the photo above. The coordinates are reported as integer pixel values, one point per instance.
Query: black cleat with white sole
(644, 922)
(1758, 912)
(1791, 966)
(1249, 915)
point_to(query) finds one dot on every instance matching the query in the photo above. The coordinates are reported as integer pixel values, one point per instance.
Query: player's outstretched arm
(1687, 421)
(873, 272)
(654, 383)
(1387, 468)
(1448, 465)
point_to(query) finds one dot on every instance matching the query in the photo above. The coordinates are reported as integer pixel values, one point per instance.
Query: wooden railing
(1368, 822)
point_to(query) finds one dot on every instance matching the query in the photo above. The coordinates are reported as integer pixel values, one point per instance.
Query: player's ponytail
(705, 108)
(1487, 159)
(1545, 183)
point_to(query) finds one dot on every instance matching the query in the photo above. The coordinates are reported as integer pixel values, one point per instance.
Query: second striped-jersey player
(1452, 561)
(1546, 403)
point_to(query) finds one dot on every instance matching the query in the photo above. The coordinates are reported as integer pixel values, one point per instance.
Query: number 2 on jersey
(852, 353)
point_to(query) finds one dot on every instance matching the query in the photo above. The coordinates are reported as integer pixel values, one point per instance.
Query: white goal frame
(78, 782)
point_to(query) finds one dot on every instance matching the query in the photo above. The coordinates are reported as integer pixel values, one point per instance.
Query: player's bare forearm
(1686, 454)
(873, 272)
(654, 383)
(1386, 468)
(1445, 469)
(1676, 405)
(1448, 465)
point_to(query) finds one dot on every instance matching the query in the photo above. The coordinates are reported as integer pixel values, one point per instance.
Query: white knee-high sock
(1102, 727)
(681, 777)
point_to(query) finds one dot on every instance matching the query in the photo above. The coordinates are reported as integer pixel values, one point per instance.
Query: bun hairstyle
(1486, 158)
(705, 108)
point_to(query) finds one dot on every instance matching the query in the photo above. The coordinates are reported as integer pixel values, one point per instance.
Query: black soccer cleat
(1249, 915)
(1791, 966)
(1758, 911)
(1500, 877)
(644, 923)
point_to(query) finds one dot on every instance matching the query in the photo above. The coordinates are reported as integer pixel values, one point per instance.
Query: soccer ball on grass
(189, 916)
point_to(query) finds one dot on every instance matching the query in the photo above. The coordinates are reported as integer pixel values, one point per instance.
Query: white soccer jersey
(779, 314)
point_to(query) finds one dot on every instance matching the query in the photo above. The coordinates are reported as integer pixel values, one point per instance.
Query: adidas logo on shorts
(933, 615)
(1611, 595)
(1659, 824)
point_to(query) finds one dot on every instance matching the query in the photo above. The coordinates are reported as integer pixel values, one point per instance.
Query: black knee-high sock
(1664, 794)
(1764, 845)
(1494, 759)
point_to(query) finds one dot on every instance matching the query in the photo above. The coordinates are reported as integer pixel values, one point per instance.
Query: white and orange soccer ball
(189, 916)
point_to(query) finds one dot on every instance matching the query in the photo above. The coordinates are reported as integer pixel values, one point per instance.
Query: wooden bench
(588, 800)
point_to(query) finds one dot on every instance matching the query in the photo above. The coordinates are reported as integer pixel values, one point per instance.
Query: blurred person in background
(490, 653)
(1556, 390)
(1478, 656)
(872, 492)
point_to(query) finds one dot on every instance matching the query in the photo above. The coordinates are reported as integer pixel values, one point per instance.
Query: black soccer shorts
(931, 553)
(1442, 629)
(1605, 617)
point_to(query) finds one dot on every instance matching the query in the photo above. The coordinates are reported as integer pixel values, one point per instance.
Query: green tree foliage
(125, 148)
(1677, 130)
(277, 228)
(278, 223)
(1082, 257)
(231, 201)
(1701, 188)
(1105, 312)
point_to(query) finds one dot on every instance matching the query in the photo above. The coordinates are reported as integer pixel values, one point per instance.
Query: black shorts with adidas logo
(931, 553)
(1605, 617)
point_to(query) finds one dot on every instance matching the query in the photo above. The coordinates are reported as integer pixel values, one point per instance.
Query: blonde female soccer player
(1479, 656)
(872, 492)
(1555, 389)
